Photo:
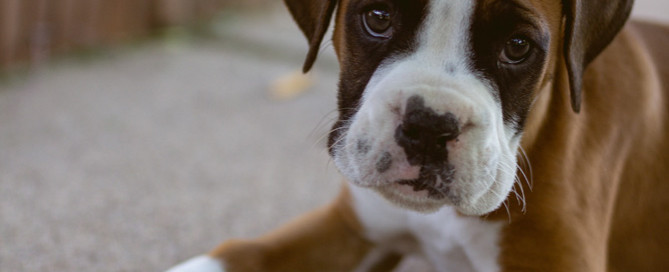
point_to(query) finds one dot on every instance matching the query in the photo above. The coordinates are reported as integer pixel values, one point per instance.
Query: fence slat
(30, 30)
(9, 31)
(62, 25)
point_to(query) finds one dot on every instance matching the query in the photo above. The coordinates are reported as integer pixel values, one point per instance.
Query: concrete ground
(146, 156)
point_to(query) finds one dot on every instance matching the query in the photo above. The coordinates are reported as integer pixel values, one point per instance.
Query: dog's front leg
(327, 239)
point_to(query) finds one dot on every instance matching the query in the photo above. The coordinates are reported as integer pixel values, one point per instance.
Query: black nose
(424, 133)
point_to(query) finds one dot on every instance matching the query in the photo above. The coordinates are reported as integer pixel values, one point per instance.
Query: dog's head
(434, 94)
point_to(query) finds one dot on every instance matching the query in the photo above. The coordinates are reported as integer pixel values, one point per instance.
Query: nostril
(443, 140)
(411, 132)
(448, 136)
(440, 144)
(424, 134)
(450, 130)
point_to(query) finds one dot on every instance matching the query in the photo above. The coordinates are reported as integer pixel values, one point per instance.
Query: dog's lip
(404, 190)
(406, 197)
(421, 185)
(402, 171)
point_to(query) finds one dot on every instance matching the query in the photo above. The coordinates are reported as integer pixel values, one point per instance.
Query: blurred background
(135, 134)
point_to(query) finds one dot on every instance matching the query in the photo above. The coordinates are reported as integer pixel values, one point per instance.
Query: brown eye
(515, 51)
(378, 22)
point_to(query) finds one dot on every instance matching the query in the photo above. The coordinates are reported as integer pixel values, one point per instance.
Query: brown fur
(598, 175)
(590, 169)
(599, 197)
(327, 239)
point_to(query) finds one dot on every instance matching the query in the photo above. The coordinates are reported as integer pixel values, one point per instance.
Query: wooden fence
(32, 30)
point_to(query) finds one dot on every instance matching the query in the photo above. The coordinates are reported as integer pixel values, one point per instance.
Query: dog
(484, 135)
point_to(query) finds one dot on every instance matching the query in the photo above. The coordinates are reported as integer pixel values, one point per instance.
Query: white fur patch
(484, 156)
(456, 243)
(199, 264)
(439, 71)
(448, 241)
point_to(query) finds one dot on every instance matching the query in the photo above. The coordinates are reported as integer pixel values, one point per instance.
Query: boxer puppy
(485, 135)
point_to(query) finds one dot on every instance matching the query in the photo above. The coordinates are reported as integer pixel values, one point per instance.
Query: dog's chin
(406, 197)
(423, 201)
(412, 196)
(470, 191)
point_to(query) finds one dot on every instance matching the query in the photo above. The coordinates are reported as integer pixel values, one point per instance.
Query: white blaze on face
(199, 264)
(440, 71)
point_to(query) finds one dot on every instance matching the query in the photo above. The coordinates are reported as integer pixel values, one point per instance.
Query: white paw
(199, 264)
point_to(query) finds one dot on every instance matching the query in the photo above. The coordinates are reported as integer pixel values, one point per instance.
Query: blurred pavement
(148, 155)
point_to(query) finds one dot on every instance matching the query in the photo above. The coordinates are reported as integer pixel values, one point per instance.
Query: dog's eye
(515, 51)
(378, 22)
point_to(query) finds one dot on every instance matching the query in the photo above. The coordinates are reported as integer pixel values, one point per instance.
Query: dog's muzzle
(424, 135)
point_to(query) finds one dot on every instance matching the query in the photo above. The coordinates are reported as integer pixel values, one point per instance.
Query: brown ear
(313, 17)
(591, 25)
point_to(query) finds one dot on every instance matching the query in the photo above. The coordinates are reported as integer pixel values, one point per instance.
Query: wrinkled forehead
(543, 6)
(546, 12)
(446, 38)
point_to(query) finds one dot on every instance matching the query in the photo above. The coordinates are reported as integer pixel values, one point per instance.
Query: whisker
(442, 192)
(515, 192)
(520, 196)
(336, 143)
(322, 122)
(325, 135)
(522, 191)
(326, 44)
(508, 212)
(520, 169)
(530, 183)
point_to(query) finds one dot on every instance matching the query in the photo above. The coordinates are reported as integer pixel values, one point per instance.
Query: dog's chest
(449, 241)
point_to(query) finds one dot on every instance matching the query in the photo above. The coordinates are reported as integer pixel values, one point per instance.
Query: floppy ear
(313, 17)
(591, 25)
